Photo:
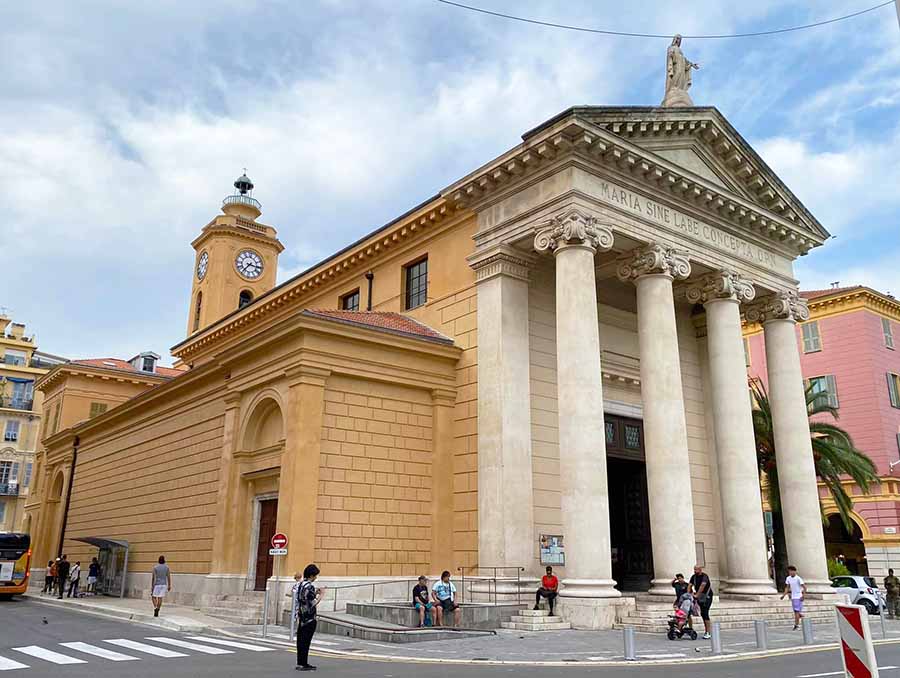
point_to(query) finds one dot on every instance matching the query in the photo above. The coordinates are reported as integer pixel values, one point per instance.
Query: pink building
(850, 348)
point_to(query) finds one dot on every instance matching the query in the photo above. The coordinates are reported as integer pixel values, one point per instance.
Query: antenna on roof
(835, 284)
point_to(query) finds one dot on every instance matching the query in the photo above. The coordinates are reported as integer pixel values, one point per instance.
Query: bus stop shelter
(113, 559)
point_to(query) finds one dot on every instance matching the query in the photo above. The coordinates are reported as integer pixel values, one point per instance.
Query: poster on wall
(553, 551)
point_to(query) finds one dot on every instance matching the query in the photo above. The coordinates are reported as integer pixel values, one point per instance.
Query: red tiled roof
(395, 323)
(119, 364)
(815, 294)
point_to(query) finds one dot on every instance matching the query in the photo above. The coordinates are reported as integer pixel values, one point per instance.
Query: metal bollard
(629, 644)
(265, 624)
(293, 614)
(882, 611)
(762, 634)
(807, 627)
(716, 638)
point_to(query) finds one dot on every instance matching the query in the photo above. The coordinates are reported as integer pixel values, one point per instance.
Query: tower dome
(242, 202)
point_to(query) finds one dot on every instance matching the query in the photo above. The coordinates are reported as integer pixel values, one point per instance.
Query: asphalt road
(100, 647)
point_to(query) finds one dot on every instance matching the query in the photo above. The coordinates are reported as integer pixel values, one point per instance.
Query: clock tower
(236, 260)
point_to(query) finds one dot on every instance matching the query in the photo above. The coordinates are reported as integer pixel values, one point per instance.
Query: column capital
(500, 260)
(783, 305)
(654, 259)
(573, 227)
(306, 374)
(443, 397)
(724, 284)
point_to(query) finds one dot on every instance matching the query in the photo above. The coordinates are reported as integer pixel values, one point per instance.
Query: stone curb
(179, 624)
(737, 656)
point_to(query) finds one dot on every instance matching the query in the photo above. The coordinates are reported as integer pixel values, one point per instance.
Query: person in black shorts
(703, 592)
(420, 600)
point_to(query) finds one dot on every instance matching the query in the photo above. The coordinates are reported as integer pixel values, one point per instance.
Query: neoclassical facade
(553, 346)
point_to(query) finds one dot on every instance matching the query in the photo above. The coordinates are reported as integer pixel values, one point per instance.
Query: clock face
(249, 264)
(202, 265)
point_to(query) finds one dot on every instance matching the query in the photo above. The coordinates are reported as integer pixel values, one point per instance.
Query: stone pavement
(568, 647)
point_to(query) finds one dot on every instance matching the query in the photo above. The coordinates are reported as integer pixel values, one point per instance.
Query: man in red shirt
(549, 589)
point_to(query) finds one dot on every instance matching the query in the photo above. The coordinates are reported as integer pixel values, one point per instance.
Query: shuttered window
(746, 352)
(826, 386)
(97, 409)
(894, 389)
(888, 332)
(812, 342)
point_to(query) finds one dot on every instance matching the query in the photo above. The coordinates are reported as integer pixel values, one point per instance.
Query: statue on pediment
(678, 76)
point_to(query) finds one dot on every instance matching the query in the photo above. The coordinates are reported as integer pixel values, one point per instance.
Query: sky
(125, 125)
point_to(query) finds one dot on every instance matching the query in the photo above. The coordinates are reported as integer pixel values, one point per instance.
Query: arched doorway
(846, 547)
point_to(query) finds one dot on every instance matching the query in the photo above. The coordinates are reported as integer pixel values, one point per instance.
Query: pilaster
(443, 402)
(224, 535)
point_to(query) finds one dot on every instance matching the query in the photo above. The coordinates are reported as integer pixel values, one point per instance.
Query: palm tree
(834, 454)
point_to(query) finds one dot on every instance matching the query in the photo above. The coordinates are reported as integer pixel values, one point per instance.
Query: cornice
(95, 372)
(573, 136)
(241, 231)
(858, 298)
(424, 220)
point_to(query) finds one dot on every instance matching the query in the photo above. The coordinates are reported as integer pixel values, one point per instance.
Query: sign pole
(897, 5)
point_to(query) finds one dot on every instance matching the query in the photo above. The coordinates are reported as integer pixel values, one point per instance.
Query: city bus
(15, 563)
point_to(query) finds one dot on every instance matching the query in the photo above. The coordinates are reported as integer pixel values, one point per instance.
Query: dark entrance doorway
(268, 511)
(846, 547)
(629, 510)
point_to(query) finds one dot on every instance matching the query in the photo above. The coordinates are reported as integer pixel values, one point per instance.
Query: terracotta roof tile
(119, 364)
(815, 294)
(395, 323)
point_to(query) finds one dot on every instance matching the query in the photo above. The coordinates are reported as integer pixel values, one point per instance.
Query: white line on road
(49, 655)
(231, 643)
(660, 656)
(205, 649)
(142, 647)
(9, 664)
(112, 655)
(322, 642)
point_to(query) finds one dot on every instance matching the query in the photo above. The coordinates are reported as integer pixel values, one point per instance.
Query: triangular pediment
(702, 141)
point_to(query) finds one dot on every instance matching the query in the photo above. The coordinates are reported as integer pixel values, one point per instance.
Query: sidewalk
(172, 617)
(565, 648)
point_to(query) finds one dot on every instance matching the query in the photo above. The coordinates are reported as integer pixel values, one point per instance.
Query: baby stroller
(678, 627)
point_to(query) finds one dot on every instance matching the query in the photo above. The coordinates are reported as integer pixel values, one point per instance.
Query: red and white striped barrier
(857, 650)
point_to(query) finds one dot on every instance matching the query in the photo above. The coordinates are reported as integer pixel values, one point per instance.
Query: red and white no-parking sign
(279, 540)
(857, 651)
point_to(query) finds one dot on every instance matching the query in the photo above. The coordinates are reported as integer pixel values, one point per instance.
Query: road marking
(142, 647)
(660, 656)
(322, 642)
(112, 655)
(231, 643)
(9, 664)
(189, 646)
(49, 655)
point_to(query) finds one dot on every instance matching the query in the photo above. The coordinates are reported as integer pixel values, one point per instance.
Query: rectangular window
(26, 480)
(746, 352)
(2, 511)
(14, 357)
(888, 332)
(894, 389)
(350, 302)
(5, 472)
(56, 418)
(11, 434)
(416, 283)
(147, 365)
(97, 409)
(826, 388)
(812, 342)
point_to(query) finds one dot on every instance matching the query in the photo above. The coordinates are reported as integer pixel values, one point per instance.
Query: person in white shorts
(160, 584)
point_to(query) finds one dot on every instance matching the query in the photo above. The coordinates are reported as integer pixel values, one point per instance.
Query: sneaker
(536, 608)
(706, 636)
(795, 627)
(155, 611)
(308, 667)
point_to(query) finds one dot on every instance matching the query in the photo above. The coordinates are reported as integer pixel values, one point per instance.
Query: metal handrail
(431, 629)
(241, 200)
(493, 578)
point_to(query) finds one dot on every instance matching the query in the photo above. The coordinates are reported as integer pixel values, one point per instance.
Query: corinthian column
(574, 239)
(745, 542)
(797, 482)
(653, 268)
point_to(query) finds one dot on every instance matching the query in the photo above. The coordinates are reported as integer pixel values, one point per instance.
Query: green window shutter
(893, 390)
(811, 340)
(831, 385)
(888, 332)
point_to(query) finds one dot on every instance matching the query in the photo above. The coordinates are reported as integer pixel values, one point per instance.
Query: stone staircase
(242, 609)
(651, 616)
(536, 620)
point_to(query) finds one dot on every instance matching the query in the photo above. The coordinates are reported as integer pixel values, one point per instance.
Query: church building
(549, 350)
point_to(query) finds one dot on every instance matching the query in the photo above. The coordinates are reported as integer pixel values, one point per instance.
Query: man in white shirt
(796, 587)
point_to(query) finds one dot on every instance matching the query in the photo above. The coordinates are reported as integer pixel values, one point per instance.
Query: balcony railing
(15, 403)
(238, 199)
(9, 489)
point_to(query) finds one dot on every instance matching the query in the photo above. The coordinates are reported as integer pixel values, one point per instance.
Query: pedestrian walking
(308, 599)
(62, 576)
(796, 588)
(75, 579)
(93, 576)
(702, 589)
(160, 584)
(49, 578)
(892, 589)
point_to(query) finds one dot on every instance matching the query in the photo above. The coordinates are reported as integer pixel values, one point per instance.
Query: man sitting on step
(549, 589)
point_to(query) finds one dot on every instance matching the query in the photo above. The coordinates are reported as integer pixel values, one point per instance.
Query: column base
(821, 588)
(749, 587)
(663, 588)
(589, 588)
(593, 613)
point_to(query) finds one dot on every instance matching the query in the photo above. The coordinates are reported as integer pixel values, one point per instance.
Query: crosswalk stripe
(49, 655)
(143, 647)
(231, 643)
(190, 646)
(112, 655)
(9, 664)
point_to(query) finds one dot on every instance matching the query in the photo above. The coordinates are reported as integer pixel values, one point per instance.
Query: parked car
(861, 591)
